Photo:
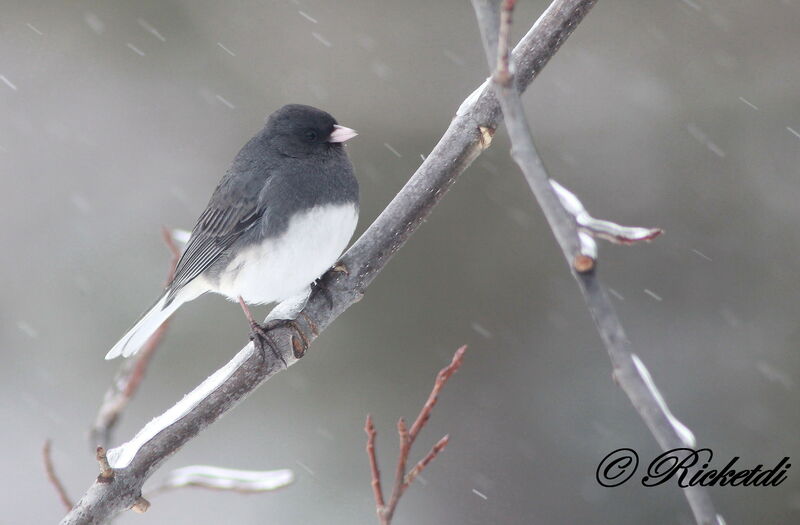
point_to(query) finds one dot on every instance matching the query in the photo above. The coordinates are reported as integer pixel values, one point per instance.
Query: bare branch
(418, 468)
(464, 140)
(377, 491)
(406, 440)
(53, 477)
(404, 446)
(628, 369)
(501, 74)
(132, 371)
(441, 378)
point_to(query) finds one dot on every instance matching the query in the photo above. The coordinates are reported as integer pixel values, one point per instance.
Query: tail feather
(137, 336)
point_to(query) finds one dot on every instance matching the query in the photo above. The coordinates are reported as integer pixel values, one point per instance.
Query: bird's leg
(259, 335)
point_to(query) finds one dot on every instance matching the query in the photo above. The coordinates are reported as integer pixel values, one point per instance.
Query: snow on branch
(233, 480)
(589, 228)
(607, 230)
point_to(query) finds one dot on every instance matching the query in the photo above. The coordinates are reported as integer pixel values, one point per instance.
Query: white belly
(284, 267)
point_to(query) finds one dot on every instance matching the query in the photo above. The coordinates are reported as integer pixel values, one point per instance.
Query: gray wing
(232, 210)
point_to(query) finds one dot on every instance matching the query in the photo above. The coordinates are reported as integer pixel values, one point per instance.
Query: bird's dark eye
(310, 135)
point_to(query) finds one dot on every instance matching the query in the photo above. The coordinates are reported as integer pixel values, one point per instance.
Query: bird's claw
(311, 324)
(299, 344)
(259, 334)
(320, 286)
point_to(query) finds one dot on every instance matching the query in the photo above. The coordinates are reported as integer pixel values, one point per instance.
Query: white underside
(285, 267)
(276, 270)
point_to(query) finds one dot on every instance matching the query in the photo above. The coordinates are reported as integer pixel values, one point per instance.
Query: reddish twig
(132, 372)
(414, 472)
(441, 378)
(51, 475)
(369, 428)
(502, 74)
(402, 480)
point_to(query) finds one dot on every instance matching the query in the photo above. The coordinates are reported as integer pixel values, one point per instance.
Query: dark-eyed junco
(280, 217)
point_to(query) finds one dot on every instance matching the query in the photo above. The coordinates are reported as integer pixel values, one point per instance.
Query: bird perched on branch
(281, 216)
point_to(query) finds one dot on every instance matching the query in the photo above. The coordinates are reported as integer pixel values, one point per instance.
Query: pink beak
(341, 134)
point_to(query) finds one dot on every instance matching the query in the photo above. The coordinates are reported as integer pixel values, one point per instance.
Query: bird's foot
(321, 286)
(299, 342)
(259, 334)
(311, 324)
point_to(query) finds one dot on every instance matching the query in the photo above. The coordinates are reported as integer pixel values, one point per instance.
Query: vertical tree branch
(628, 369)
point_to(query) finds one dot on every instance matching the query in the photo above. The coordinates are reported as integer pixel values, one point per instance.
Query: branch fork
(404, 477)
(590, 228)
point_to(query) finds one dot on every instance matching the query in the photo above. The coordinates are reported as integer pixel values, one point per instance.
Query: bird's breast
(284, 265)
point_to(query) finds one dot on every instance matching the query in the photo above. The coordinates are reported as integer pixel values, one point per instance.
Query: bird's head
(300, 131)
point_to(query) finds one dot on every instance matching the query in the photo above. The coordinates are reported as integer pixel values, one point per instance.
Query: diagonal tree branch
(629, 371)
(468, 134)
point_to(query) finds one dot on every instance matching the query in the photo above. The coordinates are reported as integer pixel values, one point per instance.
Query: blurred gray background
(119, 117)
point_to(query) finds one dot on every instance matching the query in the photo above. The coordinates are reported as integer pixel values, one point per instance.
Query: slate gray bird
(281, 216)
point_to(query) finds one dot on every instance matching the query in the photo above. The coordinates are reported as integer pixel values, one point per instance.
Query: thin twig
(53, 477)
(466, 137)
(406, 438)
(441, 378)
(628, 370)
(502, 74)
(421, 464)
(375, 472)
(404, 446)
(132, 371)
